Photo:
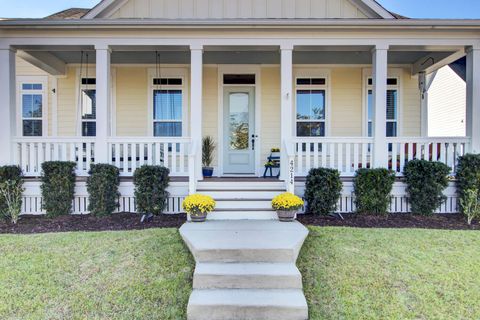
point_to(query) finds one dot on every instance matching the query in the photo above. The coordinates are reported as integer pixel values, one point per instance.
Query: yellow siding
(210, 105)
(132, 101)
(67, 103)
(270, 110)
(346, 109)
(410, 117)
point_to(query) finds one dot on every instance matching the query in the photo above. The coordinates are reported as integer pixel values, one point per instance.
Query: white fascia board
(375, 7)
(104, 9)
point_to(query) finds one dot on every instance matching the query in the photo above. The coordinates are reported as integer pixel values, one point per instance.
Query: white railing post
(473, 98)
(290, 181)
(192, 181)
(196, 80)
(379, 73)
(7, 104)
(103, 85)
(286, 54)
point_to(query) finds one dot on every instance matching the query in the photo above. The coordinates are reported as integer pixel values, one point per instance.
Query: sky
(462, 9)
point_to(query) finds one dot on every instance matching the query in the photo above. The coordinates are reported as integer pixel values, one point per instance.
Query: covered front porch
(335, 105)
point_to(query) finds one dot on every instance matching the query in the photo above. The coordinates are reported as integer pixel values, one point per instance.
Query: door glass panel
(239, 120)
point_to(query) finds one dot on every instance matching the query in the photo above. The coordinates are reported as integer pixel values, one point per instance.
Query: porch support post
(103, 103)
(379, 75)
(196, 80)
(286, 54)
(7, 104)
(473, 98)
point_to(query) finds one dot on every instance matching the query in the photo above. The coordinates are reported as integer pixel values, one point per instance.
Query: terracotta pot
(286, 215)
(199, 217)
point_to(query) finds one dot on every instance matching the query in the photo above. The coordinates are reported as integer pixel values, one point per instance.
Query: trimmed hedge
(11, 189)
(322, 190)
(151, 184)
(468, 178)
(426, 181)
(372, 188)
(102, 187)
(58, 187)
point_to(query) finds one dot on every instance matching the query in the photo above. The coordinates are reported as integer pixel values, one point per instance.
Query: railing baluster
(340, 157)
(348, 159)
(307, 157)
(315, 154)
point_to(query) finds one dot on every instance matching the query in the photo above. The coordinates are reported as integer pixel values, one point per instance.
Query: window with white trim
(32, 104)
(167, 107)
(89, 107)
(392, 107)
(310, 106)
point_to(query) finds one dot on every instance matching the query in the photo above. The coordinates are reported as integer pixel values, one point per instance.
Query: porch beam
(379, 75)
(7, 104)
(103, 103)
(434, 61)
(286, 61)
(473, 98)
(196, 81)
(45, 61)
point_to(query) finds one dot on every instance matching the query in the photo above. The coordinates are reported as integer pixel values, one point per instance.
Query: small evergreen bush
(102, 187)
(426, 181)
(372, 188)
(470, 205)
(11, 190)
(151, 184)
(468, 177)
(58, 187)
(322, 190)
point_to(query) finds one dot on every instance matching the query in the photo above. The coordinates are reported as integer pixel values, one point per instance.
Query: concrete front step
(240, 185)
(247, 275)
(242, 215)
(247, 304)
(244, 204)
(242, 194)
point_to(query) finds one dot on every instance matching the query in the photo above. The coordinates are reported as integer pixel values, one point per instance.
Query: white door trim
(240, 69)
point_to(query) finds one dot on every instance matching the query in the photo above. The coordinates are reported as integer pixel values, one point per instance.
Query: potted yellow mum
(287, 205)
(198, 206)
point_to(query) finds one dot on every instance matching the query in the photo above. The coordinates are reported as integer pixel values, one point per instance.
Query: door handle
(253, 141)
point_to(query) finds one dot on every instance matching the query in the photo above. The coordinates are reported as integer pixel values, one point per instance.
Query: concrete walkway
(245, 269)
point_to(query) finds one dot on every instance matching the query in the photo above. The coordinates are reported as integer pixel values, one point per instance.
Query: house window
(311, 107)
(167, 107)
(89, 108)
(32, 102)
(392, 107)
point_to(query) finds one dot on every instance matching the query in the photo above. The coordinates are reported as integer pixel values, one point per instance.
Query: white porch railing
(30, 153)
(129, 153)
(443, 149)
(346, 154)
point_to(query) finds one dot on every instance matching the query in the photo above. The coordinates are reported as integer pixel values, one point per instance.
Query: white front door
(239, 130)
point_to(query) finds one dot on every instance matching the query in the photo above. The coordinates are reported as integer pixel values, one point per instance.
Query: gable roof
(72, 13)
(106, 7)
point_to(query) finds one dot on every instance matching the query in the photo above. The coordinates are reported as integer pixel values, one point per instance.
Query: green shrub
(151, 184)
(426, 181)
(58, 187)
(102, 187)
(470, 204)
(468, 176)
(11, 190)
(322, 190)
(372, 188)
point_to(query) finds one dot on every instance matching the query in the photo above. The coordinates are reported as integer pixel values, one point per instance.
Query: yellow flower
(198, 203)
(287, 201)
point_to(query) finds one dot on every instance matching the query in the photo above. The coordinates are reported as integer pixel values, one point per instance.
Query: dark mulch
(117, 221)
(399, 220)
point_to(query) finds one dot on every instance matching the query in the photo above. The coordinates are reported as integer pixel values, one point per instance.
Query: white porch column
(473, 98)
(379, 75)
(103, 103)
(7, 104)
(286, 121)
(196, 80)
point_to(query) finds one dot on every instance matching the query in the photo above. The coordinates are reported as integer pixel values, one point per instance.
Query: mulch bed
(400, 220)
(117, 221)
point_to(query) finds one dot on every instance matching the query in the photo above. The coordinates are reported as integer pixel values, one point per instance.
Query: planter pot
(207, 172)
(199, 217)
(286, 215)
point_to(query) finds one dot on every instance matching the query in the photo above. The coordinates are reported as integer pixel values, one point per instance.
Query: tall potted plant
(208, 148)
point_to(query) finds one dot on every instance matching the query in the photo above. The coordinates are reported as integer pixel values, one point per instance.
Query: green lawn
(348, 274)
(391, 274)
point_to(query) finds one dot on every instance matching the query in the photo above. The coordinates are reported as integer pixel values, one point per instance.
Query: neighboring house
(447, 100)
(333, 83)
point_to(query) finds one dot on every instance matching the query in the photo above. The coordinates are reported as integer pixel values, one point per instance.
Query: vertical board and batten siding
(237, 9)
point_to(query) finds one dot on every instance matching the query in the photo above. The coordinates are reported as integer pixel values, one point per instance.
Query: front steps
(246, 270)
(240, 200)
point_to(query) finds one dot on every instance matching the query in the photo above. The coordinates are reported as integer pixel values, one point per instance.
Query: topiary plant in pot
(208, 148)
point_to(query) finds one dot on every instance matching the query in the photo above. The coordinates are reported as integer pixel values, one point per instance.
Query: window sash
(31, 116)
(390, 89)
(315, 124)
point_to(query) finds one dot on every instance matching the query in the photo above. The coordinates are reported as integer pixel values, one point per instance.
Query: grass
(391, 274)
(100, 275)
(348, 274)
